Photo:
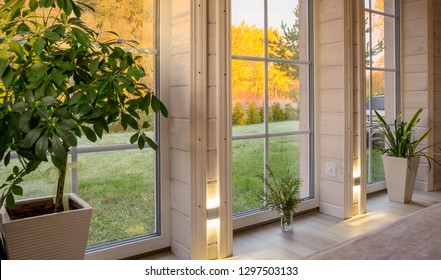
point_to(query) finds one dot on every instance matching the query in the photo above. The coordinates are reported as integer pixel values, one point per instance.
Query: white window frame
(373, 186)
(257, 216)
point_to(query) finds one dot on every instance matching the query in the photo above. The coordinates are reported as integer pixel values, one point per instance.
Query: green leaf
(150, 142)
(67, 137)
(43, 114)
(17, 48)
(134, 138)
(67, 123)
(48, 3)
(31, 137)
(99, 130)
(36, 72)
(33, 4)
(90, 134)
(7, 79)
(81, 36)
(52, 36)
(3, 59)
(32, 165)
(57, 77)
(58, 163)
(76, 10)
(16, 170)
(65, 65)
(7, 158)
(61, 3)
(38, 46)
(141, 143)
(42, 146)
(10, 201)
(20, 107)
(47, 101)
(58, 148)
(94, 65)
(164, 110)
(74, 98)
(17, 190)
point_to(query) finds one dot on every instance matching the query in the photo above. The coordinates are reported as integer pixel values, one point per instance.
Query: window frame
(255, 216)
(375, 185)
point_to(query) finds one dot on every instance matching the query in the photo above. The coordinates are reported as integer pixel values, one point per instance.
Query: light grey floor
(316, 231)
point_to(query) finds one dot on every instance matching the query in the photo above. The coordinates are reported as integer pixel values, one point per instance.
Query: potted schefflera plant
(401, 155)
(59, 83)
(282, 194)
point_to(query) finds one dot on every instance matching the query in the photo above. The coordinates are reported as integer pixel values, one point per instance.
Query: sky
(252, 11)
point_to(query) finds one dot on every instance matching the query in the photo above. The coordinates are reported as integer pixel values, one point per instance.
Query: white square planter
(400, 179)
(52, 236)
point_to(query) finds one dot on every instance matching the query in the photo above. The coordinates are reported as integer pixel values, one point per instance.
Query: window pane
(291, 153)
(387, 6)
(130, 19)
(247, 28)
(121, 187)
(41, 182)
(247, 97)
(377, 35)
(247, 173)
(288, 97)
(284, 29)
(374, 161)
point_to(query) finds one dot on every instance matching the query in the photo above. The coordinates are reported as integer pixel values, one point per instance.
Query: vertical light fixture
(213, 222)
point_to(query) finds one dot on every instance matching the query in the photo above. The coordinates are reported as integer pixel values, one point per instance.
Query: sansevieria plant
(401, 141)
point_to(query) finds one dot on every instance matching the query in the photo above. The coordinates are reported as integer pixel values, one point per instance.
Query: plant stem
(59, 206)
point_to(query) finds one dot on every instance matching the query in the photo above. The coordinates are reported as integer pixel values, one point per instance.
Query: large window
(271, 96)
(117, 179)
(382, 76)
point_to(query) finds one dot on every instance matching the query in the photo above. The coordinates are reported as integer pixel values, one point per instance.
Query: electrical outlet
(331, 169)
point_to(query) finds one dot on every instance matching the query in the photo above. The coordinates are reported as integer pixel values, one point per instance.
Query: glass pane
(130, 19)
(41, 182)
(367, 4)
(367, 25)
(377, 44)
(374, 164)
(286, 38)
(120, 186)
(291, 153)
(287, 94)
(387, 6)
(378, 5)
(247, 173)
(247, 27)
(247, 97)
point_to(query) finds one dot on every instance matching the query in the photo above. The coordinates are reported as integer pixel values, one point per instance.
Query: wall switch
(331, 169)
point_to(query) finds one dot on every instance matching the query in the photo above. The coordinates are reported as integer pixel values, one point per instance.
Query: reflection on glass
(247, 28)
(120, 186)
(247, 173)
(247, 97)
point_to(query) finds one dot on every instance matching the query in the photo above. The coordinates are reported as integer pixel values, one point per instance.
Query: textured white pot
(400, 179)
(52, 236)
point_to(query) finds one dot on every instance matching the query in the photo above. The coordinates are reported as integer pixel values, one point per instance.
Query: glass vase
(286, 219)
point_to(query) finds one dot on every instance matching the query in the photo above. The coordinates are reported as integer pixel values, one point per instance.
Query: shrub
(253, 114)
(238, 114)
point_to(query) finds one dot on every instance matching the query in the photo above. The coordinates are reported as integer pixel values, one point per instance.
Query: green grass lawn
(119, 185)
